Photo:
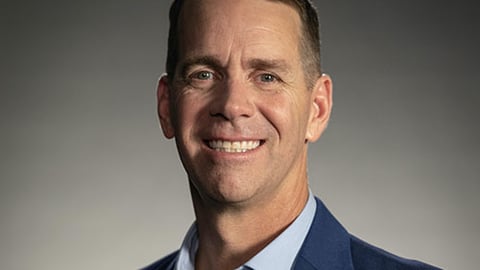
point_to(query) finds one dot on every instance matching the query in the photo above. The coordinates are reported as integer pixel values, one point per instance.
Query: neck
(229, 235)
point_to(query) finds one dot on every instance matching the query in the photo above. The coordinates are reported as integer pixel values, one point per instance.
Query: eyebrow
(207, 60)
(254, 63)
(267, 64)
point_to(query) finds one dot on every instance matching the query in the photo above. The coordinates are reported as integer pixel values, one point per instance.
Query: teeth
(233, 146)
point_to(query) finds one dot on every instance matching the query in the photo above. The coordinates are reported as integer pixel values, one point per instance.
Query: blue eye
(267, 78)
(203, 75)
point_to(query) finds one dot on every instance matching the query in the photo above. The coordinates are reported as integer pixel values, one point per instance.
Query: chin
(232, 191)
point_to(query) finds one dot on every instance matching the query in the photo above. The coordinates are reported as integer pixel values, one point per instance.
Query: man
(243, 98)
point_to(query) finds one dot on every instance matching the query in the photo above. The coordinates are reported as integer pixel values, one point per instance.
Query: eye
(267, 78)
(203, 75)
(202, 79)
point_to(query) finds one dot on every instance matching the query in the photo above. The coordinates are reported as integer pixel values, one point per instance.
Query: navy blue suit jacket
(329, 246)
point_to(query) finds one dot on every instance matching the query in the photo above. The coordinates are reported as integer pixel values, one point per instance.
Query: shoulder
(166, 263)
(329, 246)
(366, 256)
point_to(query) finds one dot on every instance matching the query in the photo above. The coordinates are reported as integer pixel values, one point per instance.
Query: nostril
(218, 115)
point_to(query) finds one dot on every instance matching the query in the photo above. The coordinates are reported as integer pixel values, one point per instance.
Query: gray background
(89, 182)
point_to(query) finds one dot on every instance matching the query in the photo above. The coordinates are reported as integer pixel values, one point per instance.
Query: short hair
(309, 39)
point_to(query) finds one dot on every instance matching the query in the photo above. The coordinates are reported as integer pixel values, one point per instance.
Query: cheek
(288, 114)
(189, 112)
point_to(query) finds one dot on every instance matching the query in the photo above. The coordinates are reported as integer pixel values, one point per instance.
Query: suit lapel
(327, 245)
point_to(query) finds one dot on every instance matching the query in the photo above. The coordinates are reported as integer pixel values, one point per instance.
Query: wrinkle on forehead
(237, 19)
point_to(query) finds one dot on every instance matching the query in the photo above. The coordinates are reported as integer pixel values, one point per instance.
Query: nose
(232, 101)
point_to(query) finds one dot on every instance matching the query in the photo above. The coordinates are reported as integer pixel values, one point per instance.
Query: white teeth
(233, 146)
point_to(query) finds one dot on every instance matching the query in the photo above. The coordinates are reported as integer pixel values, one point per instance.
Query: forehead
(267, 8)
(217, 24)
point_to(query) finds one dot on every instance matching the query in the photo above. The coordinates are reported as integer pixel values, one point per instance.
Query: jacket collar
(327, 245)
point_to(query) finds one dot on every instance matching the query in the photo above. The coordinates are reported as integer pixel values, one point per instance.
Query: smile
(233, 146)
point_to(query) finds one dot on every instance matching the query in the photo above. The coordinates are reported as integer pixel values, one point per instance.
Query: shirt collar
(281, 252)
(186, 255)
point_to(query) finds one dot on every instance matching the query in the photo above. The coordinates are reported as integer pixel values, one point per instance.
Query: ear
(320, 109)
(163, 107)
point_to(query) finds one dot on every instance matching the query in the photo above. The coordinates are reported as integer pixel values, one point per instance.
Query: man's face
(240, 110)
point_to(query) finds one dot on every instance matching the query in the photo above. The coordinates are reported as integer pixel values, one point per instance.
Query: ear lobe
(163, 107)
(321, 108)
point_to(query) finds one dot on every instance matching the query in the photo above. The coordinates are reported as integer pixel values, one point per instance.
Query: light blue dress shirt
(279, 254)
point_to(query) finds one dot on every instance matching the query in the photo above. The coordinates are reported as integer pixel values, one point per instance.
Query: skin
(240, 78)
